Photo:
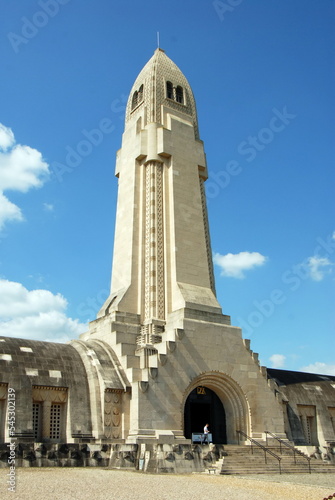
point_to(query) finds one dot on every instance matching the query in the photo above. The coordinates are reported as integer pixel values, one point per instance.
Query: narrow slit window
(140, 94)
(37, 421)
(55, 421)
(135, 100)
(169, 90)
(179, 94)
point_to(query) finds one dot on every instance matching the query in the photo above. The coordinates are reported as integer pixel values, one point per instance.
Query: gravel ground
(91, 483)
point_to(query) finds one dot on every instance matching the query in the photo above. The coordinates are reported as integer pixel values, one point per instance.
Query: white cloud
(35, 314)
(16, 300)
(277, 360)
(8, 211)
(320, 368)
(318, 267)
(48, 207)
(6, 137)
(234, 265)
(21, 168)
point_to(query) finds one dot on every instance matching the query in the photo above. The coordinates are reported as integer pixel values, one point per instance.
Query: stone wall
(152, 458)
(57, 455)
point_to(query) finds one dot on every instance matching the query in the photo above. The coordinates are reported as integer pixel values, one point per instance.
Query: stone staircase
(244, 459)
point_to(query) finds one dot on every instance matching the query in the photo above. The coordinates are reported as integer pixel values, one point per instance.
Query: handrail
(264, 448)
(288, 445)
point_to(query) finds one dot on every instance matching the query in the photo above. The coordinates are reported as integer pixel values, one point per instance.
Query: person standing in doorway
(206, 432)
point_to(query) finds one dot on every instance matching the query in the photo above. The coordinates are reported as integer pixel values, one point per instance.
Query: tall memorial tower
(179, 359)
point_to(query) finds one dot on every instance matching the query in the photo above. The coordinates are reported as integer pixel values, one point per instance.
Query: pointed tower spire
(162, 254)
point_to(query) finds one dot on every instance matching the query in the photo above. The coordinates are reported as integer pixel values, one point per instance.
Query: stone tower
(162, 255)
(179, 360)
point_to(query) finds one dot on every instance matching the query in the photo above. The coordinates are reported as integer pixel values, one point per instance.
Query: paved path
(103, 484)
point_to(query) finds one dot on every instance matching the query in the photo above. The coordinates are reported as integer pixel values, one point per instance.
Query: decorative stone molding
(113, 413)
(246, 342)
(154, 302)
(180, 332)
(178, 449)
(169, 456)
(171, 345)
(153, 372)
(189, 456)
(162, 358)
(143, 385)
(51, 394)
(255, 357)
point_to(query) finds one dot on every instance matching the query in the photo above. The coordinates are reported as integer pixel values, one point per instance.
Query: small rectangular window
(55, 421)
(169, 90)
(179, 94)
(37, 414)
(49, 413)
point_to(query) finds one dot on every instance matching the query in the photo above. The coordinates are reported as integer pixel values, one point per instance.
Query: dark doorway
(202, 407)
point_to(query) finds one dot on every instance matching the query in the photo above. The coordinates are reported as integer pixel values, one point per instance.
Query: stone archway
(235, 404)
(203, 406)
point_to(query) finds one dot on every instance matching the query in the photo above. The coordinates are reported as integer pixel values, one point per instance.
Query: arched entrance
(228, 404)
(204, 406)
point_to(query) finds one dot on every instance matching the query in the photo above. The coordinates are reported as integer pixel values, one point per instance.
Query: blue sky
(263, 77)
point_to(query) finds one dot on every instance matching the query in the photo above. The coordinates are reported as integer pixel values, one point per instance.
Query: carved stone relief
(113, 414)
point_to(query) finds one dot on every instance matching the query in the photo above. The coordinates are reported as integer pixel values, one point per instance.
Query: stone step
(129, 361)
(124, 349)
(322, 468)
(241, 459)
(254, 457)
(255, 450)
(118, 337)
(270, 462)
(273, 470)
